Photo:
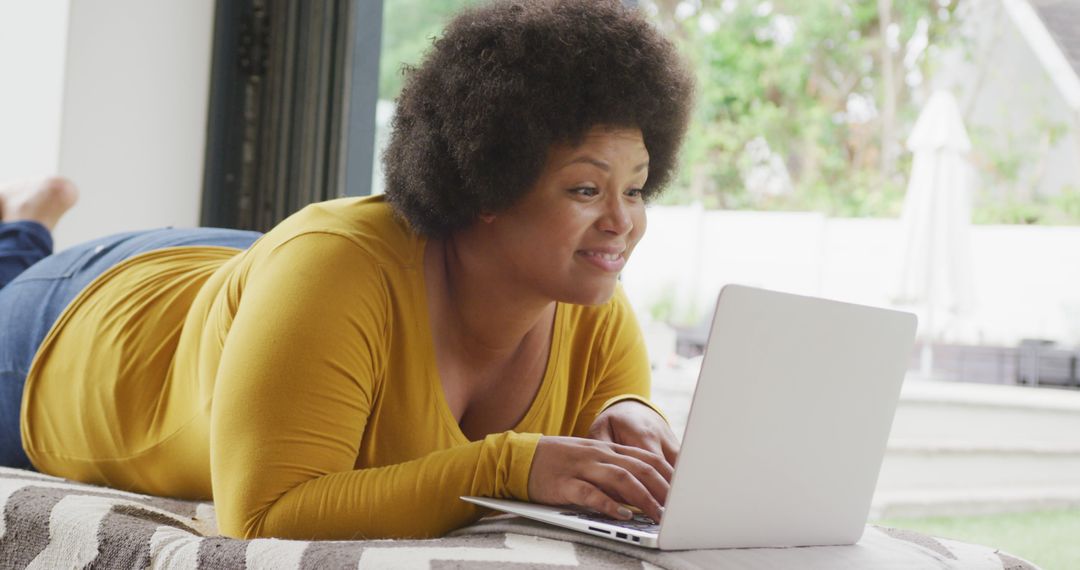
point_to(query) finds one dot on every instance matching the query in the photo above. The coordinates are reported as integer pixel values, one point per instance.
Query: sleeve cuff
(636, 398)
(522, 447)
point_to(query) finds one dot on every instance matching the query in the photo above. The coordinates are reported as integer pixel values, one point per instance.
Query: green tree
(830, 85)
(409, 27)
(809, 77)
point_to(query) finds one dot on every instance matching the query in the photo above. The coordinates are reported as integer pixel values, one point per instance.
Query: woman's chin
(591, 296)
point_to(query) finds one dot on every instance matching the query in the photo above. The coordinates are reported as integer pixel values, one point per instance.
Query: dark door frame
(267, 154)
(291, 118)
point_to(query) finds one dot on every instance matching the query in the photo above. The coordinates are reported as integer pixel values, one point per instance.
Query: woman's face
(571, 234)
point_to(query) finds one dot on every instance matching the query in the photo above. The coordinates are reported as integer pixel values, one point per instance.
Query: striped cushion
(52, 523)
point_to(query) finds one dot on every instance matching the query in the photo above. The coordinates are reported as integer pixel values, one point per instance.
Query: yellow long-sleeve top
(295, 384)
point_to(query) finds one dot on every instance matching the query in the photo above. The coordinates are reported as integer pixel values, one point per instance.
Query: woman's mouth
(608, 261)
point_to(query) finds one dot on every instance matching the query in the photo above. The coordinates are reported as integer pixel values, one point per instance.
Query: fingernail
(625, 513)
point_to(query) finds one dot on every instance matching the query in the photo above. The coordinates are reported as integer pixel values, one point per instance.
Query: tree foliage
(409, 27)
(806, 77)
(804, 81)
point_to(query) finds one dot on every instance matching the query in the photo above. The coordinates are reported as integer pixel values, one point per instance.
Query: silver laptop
(786, 432)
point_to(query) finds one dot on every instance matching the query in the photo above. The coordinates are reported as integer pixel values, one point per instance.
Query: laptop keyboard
(639, 522)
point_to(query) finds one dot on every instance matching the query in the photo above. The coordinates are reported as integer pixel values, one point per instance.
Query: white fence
(1027, 278)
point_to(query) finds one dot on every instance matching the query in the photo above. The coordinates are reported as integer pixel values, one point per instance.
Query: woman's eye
(586, 191)
(635, 192)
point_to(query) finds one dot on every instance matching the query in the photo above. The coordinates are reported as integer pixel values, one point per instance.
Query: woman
(358, 368)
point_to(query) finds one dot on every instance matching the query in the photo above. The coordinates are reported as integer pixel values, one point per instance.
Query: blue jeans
(36, 286)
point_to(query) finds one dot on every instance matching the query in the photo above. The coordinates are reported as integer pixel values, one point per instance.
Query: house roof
(1052, 29)
(1062, 20)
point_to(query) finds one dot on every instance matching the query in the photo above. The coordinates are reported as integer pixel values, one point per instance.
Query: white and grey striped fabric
(51, 523)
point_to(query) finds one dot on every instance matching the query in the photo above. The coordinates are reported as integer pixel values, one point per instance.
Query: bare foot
(42, 201)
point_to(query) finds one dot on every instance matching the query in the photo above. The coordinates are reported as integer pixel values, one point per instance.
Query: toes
(59, 192)
(44, 201)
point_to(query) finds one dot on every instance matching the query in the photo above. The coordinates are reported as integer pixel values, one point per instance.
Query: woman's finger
(670, 448)
(657, 486)
(640, 440)
(622, 474)
(656, 460)
(585, 494)
(637, 482)
(658, 440)
(615, 480)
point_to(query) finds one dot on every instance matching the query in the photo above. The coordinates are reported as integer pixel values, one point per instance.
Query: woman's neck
(489, 316)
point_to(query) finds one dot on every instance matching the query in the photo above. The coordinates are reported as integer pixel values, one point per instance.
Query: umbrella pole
(927, 361)
(926, 358)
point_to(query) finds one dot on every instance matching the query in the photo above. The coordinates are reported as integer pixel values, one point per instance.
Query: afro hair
(509, 79)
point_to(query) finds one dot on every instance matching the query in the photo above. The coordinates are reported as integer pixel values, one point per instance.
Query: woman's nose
(616, 218)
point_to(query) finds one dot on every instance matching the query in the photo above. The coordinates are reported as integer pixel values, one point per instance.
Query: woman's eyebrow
(590, 160)
(601, 164)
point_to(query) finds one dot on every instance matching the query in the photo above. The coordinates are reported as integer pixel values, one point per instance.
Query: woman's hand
(632, 423)
(600, 476)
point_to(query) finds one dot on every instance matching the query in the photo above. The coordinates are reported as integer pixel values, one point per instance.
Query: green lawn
(1050, 539)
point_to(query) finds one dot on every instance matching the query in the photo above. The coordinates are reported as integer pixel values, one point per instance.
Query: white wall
(134, 114)
(33, 38)
(1026, 278)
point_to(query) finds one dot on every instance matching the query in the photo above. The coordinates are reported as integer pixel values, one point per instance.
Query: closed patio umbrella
(935, 265)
